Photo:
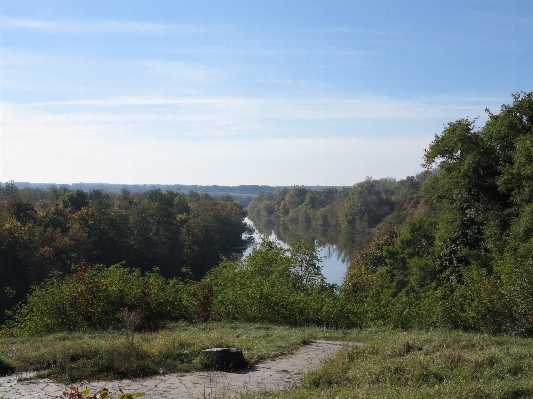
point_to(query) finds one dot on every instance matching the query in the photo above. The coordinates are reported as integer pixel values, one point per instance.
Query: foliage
(466, 263)
(48, 231)
(77, 393)
(273, 284)
(95, 298)
(214, 228)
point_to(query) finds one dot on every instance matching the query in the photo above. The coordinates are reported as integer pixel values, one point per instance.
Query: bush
(273, 284)
(99, 298)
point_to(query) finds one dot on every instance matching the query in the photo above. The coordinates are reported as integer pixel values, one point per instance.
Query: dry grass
(111, 355)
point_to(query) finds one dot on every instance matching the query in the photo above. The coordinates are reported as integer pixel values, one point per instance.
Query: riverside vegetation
(444, 266)
(44, 232)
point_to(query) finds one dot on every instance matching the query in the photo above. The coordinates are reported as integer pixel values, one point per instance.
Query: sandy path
(271, 375)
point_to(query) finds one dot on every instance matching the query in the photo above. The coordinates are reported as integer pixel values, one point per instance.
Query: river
(336, 254)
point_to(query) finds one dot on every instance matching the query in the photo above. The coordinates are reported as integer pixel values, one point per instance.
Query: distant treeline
(47, 231)
(356, 210)
(242, 194)
(183, 188)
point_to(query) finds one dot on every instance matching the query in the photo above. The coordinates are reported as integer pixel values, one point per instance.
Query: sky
(247, 92)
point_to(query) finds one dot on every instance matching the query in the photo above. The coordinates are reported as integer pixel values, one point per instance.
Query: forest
(448, 248)
(47, 232)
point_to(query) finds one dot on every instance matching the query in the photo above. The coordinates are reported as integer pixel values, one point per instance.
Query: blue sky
(247, 92)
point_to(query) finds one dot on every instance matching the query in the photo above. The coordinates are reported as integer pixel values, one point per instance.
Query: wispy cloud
(108, 26)
(507, 19)
(207, 140)
(328, 139)
(326, 107)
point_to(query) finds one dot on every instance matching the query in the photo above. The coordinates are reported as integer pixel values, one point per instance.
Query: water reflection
(334, 249)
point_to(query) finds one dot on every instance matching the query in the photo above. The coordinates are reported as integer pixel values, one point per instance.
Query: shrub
(95, 298)
(273, 284)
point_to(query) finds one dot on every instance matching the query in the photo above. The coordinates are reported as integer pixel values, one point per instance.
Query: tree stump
(227, 359)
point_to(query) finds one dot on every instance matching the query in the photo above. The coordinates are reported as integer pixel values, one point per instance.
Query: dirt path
(271, 375)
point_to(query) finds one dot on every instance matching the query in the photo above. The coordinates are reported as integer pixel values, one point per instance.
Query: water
(336, 253)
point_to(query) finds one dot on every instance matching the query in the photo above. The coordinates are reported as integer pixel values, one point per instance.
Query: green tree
(483, 188)
(22, 211)
(76, 200)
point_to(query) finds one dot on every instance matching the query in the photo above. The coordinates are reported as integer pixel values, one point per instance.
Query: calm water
(332, 249)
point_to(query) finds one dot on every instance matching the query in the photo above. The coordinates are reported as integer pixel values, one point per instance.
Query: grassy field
(416, 364)
(111, 355)
(391, 364)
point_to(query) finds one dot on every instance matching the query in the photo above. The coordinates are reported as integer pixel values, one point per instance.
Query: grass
(391, 364)
(416, 364)
(114, 355)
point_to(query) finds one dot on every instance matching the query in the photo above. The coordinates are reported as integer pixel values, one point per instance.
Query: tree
(484, 188)
(483, 176)
(21, 211)
(75, 200)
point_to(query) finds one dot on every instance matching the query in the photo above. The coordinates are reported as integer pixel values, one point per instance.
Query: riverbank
(335, 253)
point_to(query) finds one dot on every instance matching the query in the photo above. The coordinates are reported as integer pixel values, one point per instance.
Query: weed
(76, 393)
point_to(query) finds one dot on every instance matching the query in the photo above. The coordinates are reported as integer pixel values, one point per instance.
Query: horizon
(166, 184)
(310, 93)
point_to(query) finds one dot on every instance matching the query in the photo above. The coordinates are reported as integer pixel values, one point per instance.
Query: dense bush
(100, 298)
(273, 284)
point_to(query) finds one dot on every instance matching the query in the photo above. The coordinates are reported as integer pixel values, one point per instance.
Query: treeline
(355, 211)
(47, 232)
(249, 189)
(240, 194)
(140, 188)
